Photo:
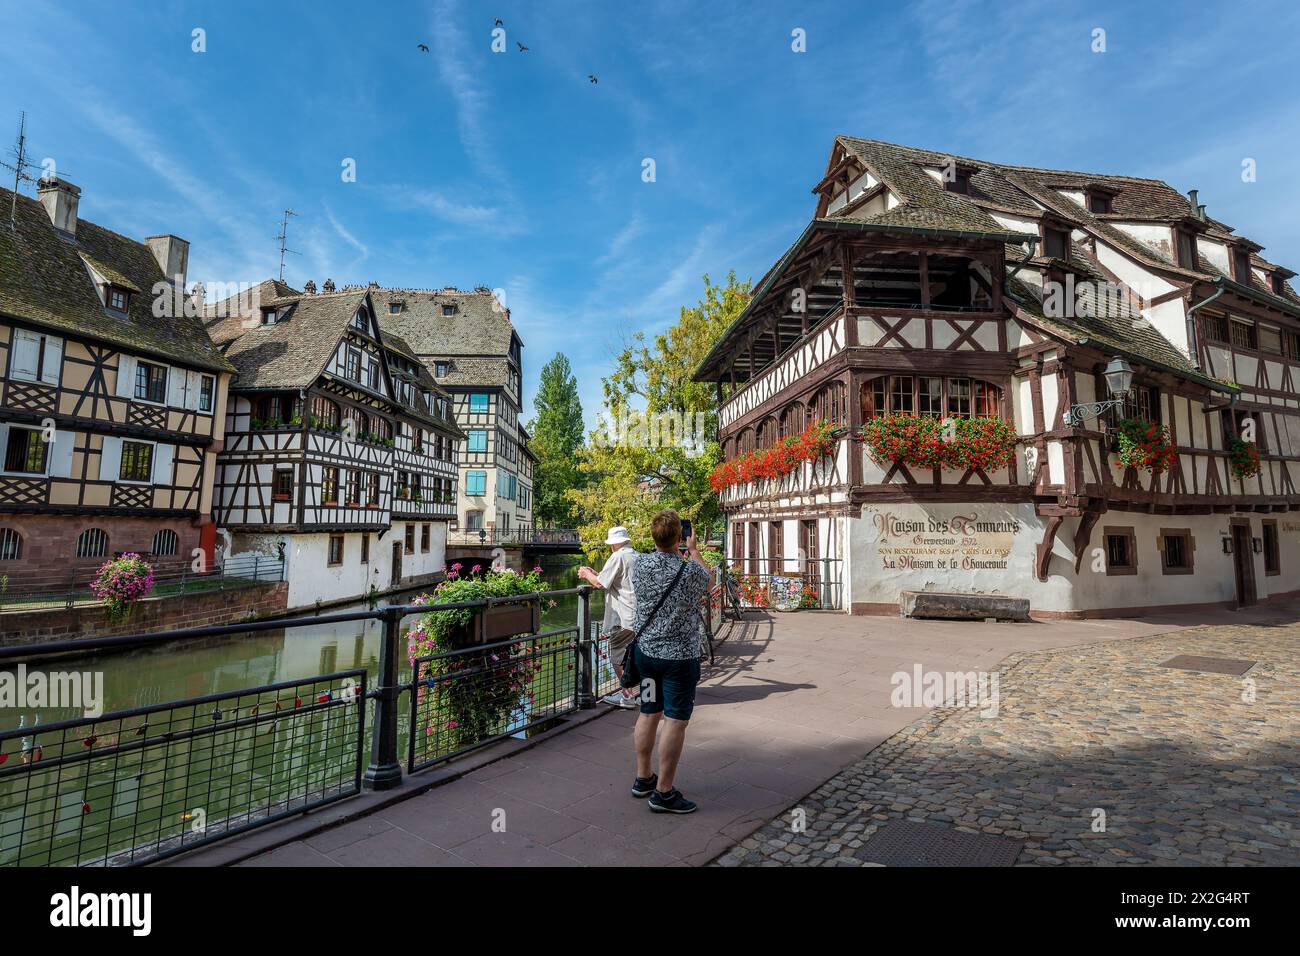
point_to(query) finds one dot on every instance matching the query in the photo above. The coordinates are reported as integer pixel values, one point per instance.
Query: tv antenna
(284, 231)
(19, 167)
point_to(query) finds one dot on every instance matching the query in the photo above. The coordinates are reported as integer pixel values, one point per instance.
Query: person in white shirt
(615, 579)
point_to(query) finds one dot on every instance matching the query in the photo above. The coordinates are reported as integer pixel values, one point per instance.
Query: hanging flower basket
(1143, 444)
(122, 582)
(778, 460)
(1243, 458)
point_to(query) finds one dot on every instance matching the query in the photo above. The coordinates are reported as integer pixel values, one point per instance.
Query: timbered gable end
(330, 441)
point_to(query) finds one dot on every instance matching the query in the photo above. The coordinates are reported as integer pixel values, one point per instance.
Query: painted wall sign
(963, 542)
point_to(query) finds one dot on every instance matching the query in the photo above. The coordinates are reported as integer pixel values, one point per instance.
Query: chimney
(1200, 211)
(173, 255)
(1191, 196)
(328, 286)
(309, 287)
(60, 198)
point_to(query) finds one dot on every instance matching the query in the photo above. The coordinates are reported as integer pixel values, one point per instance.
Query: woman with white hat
(615, 579)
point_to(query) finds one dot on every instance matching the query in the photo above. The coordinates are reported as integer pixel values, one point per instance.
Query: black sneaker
(644, 786)
(670, 802)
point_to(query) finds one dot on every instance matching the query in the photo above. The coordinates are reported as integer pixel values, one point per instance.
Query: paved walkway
(794, 700)
(1097, 755)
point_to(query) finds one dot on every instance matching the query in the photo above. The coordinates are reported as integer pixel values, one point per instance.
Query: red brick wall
(158, 614)
(50, 545)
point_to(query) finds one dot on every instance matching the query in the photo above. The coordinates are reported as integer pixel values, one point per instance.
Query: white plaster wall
(1158, 237)
(872, 581)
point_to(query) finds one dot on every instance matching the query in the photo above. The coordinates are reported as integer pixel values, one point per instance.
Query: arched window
(325, 413)
(360, 422)
(828, 404)
(792, 420)
(767, 432)
(11, 545)
(92, 543)
(381, 427)
(165, 542)
(930, 396)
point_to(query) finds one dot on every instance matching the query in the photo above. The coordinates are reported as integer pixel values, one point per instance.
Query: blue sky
(514, 171)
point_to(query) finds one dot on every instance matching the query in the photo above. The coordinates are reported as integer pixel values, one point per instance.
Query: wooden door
(1243, 562)
(397, 564)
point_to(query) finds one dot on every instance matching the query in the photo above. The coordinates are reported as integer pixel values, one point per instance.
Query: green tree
(556, 436)
(658, 440)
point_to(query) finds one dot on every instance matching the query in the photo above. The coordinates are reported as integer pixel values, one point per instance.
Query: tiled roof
(480, 326)
(469, 372)
(44, 280)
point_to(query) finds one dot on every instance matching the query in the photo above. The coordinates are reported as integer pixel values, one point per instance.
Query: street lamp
(1119, 379)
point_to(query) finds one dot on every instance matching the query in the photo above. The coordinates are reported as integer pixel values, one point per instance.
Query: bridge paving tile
(794, 701)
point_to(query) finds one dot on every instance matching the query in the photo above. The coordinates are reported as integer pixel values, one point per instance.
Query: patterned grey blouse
(674, 634)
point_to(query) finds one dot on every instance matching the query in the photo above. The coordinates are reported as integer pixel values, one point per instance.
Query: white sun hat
(618, 535)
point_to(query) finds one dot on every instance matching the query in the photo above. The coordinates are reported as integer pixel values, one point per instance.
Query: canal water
(166, 672)
(129, 788)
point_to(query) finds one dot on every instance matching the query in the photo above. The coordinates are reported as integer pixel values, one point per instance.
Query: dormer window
(117, 298)
(394, 308)
(1056, 243)
(1100, 202)
(449, 308)
(1278, 283)
(959, 183)
(1186, 248)
(440, 369)
(1241, 264)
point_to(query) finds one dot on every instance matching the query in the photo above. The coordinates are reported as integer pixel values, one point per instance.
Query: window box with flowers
(1139, 443)
(496, 689)
(929, 442)
(1243, 458)
(777, 460)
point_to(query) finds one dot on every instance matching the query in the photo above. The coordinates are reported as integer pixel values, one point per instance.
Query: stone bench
(962, 607)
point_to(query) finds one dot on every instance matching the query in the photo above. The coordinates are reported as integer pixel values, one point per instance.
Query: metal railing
(765, 582)
(138, 785)
(555, 537)
(70, 588)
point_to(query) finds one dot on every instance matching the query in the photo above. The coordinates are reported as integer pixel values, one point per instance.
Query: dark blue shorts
(672, 685)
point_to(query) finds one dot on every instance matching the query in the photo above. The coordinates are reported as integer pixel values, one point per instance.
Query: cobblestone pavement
(1186, 767)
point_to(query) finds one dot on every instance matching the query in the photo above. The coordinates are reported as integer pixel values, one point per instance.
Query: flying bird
(592, 77)
(499, 23)
(424, 47)
(522, 48)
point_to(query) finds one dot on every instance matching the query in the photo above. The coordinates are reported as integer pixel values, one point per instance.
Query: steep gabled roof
(45, 280)
(294, 351)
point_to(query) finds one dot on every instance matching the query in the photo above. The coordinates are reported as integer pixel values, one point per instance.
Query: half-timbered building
(340, 453)
(112, 396)
(466, 339)
(932, 285)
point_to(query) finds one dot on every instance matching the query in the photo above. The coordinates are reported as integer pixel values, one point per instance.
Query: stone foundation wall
(209, 608)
